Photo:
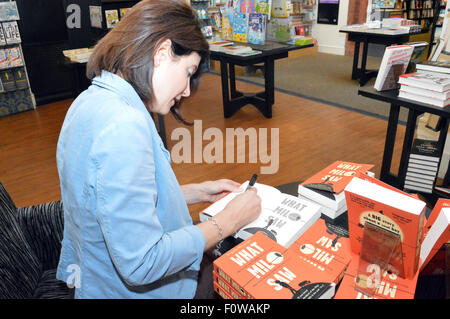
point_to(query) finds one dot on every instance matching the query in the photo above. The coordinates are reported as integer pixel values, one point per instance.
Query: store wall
(328, 37)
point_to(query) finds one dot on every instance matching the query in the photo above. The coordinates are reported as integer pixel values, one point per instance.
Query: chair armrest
(43, 227)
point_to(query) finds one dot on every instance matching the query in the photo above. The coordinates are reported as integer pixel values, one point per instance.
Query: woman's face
(171, 77)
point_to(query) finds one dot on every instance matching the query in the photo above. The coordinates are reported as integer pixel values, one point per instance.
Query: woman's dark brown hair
(128, 49)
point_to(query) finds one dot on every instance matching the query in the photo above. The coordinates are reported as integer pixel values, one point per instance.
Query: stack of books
(423, 166)
(283, 218)
(427, 87)
(259, 268)
(326, 188)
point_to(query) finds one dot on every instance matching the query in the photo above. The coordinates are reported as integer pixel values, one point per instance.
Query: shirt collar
(118, 85)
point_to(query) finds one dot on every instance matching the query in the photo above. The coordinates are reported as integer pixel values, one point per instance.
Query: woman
(127, 225)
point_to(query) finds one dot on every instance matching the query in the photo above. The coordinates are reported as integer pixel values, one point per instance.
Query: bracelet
(219, 229)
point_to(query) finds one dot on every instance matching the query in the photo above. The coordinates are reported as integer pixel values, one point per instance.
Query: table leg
(225, 92)
(269, 79)
(233, 93)
(363, 77)
(407, 143)
(385, 174)
(355, 72)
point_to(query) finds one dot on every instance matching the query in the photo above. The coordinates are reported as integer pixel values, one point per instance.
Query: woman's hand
(209, 191)
(240, 211)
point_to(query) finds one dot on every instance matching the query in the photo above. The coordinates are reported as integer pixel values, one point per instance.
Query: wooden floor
(311, 136)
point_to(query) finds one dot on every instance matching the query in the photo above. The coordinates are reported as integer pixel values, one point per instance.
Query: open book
(283, 218)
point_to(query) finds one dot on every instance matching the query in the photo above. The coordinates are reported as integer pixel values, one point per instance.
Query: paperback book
(112, 18)
(240, 27)
(433, 81)
(326, 187)
(394, 63)
(283, 218)
(434, 66)
(257, 269)
(391, 210)
(11, 30)
(423, 166)
(257, 28)
(437, 232)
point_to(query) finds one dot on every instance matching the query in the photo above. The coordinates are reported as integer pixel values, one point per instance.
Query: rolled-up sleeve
(139, 247)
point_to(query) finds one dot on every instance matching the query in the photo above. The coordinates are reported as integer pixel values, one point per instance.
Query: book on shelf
(424, 99)
(2, 89)
(394, 63)
(227, 29)
(235, 49)
(8, 82)
(370, 201)
(2, 36)
(95, 16)
(263, 6)
(326, 186)
(422, 166)
(20, 78)
(14, 56)
(279, 9)
(240, 27)
(390, 286)
(11, 30)
(112, 18)
(419, 54)
(434, 66)
(8, 11)
(283, 217)
(441, 96)
(438, 82)
(257, 28)
(248, 53)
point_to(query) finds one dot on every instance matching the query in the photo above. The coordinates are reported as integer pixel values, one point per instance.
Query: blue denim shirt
(127, 228)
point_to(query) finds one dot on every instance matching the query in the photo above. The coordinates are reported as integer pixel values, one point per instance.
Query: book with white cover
(424, 92)
(327, 199)
(326, 210)
(283, 218)
(394, 63)
(438, 235)
(434, 81)
(424, 99)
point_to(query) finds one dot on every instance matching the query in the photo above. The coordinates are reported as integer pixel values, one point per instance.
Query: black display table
(367, 36)
(414, 110)
(233, 100)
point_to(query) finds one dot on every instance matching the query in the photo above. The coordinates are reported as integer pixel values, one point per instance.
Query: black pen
(252, 182)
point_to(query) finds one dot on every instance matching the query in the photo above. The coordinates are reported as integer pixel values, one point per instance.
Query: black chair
(30, 245)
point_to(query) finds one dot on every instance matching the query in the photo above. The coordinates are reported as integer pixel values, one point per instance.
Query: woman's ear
(163, 52)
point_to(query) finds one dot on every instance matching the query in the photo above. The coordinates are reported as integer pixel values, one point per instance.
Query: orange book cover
(391, 286)
(327, 246)
(390, 210)
(294, 278)
(253, 258)
(336, 176)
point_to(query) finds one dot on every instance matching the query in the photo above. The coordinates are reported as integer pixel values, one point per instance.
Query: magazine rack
(380, 252)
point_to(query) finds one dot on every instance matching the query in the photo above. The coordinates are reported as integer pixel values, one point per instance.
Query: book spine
(225, 287)
(231, 282)
(221, 292)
